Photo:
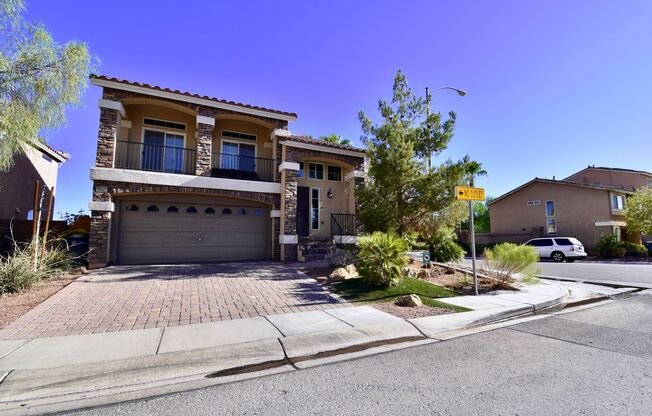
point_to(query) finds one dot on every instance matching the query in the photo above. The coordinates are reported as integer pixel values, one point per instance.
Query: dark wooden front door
(303, 211)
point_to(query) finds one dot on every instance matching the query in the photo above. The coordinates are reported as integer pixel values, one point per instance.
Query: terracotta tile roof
(562, 182)
(187, 94)
(318, 142)
(44, 148)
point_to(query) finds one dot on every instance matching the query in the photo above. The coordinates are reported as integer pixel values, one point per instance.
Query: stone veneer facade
(286, 202)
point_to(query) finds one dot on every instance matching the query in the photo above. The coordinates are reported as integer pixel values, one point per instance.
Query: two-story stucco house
(584, 205)
(181, 177)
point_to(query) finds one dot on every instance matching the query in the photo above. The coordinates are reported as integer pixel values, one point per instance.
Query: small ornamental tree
(39, 79)
(403, 193)
(638, 212)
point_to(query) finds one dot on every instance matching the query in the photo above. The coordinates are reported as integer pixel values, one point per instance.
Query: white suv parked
(558, 248)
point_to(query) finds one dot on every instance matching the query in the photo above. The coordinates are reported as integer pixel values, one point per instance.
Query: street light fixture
(460, 92)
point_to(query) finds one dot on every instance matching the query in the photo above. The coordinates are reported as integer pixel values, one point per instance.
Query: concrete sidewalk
(64, 369)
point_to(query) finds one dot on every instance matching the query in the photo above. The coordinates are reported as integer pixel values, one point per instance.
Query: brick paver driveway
(122, 298)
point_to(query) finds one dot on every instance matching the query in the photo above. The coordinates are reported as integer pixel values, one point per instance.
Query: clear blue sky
(553, 85)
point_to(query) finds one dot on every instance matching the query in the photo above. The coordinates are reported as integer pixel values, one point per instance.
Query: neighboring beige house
(181, 177)
(585, 205)
(38, 162)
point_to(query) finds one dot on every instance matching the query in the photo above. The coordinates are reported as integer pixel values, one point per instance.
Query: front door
(303, 211)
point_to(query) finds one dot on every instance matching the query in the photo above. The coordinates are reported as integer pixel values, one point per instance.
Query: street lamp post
(461, 93)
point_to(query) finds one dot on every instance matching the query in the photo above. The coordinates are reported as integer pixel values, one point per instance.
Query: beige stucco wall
(137, 112)
(577, 210)
(343, 201)
(627, 180)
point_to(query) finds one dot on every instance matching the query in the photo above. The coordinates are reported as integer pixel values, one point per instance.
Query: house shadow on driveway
(121, 298)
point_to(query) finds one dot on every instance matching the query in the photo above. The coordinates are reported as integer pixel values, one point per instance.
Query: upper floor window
(315, 171)
(163, 151)
(300, 172)
(237, 135)
(163, 123)
(238, 156)
(334, 173)
(617, 202)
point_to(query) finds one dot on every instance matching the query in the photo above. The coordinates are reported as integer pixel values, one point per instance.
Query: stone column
(205, 126)
(288, 237)
(111, 113)
(99, 240)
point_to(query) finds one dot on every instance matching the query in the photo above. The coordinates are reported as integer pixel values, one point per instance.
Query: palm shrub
(381, 258)
(446, 250)
(507, 259)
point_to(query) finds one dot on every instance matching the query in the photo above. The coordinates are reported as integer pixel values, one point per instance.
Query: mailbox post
(467, 193)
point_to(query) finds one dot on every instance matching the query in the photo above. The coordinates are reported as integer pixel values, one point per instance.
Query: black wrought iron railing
(343, 224)
(242, 167)
(140, 156)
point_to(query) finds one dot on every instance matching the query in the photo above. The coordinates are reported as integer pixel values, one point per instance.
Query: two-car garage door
(173, 230)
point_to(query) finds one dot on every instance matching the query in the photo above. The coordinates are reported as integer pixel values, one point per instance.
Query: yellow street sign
(466, 193)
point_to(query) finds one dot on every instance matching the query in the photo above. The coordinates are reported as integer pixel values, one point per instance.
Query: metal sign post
(467, 193)
(472, 234)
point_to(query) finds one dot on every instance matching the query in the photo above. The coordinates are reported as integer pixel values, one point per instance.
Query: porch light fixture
(329, 194)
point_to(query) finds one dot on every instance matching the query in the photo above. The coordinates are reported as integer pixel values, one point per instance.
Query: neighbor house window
(152, 208)
(191, 210)
(172, 208)
(209, 210)
(300, 172)
(314, 208)
(315, 171)
(551, 220)
(334, 173)
(617, 202)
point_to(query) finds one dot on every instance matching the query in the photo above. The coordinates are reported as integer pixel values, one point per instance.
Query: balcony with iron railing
(156, 158)
(234, 166)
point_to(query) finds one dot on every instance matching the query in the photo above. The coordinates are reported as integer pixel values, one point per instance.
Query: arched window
(226, 211)
(209, 210)
(191, 210)
(132, 207)
(258, 212)
(242, 211)
(152, 208)
(30, 214)
(172, 208)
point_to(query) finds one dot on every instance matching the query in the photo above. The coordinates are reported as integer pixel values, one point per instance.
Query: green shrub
(633, 249)
(446, 250)
(506, 259)
(610, 247)
(607, 245)
(381, 258)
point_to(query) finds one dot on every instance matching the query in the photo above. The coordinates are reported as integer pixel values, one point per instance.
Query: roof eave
(102, 82)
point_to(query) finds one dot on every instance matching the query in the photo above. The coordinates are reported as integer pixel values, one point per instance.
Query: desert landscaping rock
(411, 301)
(338, 275)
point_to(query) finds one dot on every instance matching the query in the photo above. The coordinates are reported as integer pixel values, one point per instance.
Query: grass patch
(355, 290)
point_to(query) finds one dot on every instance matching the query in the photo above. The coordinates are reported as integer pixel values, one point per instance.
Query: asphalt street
(617, 273)
(596, 361)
